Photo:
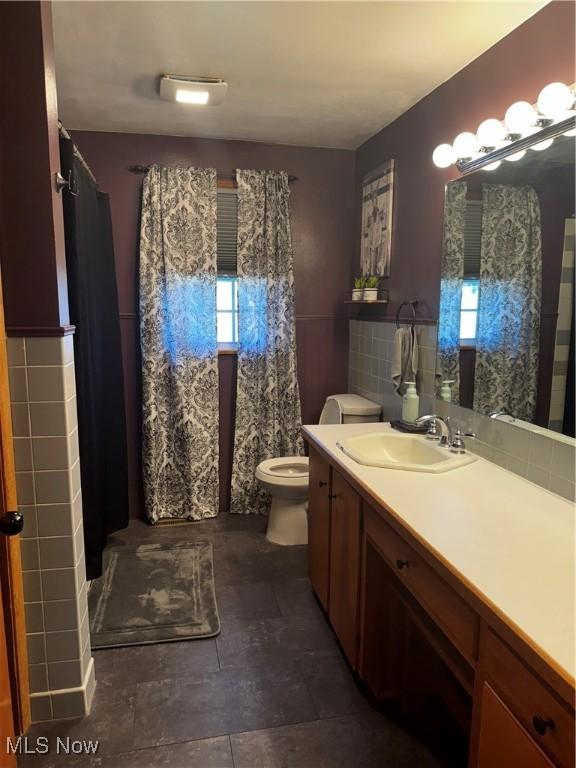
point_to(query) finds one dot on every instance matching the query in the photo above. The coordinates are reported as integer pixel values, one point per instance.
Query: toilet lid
(293, 467)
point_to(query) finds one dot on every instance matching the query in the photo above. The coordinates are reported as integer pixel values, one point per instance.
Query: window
(471, 282)
(227, 281)
(227, 309)
(469, 310)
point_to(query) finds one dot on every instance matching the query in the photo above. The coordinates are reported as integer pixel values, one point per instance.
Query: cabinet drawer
(531, 701)
(445, 607)
(503, 743)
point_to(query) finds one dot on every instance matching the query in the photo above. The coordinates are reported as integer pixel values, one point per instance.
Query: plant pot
(370, 294)
(357, 294)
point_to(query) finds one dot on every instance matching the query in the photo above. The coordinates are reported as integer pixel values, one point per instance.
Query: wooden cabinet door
(503, 742)
(14, 695)
(345, 540)
(319, 526)
(6, 720)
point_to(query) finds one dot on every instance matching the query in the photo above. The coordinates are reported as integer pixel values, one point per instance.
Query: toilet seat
(289, 471)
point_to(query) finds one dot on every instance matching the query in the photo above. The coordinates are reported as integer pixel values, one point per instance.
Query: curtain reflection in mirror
(448, 363)
(507, 341)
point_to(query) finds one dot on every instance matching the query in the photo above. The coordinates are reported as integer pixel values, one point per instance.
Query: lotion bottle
(446, 390)
(410, 402)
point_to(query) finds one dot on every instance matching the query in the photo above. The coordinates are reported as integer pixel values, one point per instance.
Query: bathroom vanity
(461, 582)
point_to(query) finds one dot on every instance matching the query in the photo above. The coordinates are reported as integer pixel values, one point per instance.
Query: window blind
(226, 231)
(472, 238)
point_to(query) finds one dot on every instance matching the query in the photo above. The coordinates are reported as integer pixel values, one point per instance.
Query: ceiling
(327, 74)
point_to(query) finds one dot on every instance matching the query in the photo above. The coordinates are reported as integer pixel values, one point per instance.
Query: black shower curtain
(93, 300)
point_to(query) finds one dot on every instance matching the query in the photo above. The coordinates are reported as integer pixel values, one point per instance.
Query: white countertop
(512, 541)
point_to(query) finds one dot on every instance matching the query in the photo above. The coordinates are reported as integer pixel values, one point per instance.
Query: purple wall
(31, 220)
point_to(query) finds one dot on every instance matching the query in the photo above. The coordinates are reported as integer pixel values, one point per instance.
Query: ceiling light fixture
(192, 97)
(525, 126)
(193, 90)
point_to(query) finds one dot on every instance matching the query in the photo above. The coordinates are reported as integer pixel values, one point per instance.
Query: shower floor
(271, 691)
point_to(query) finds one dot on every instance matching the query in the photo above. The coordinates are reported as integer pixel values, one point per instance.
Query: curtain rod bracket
(60, 182)
(68, 184)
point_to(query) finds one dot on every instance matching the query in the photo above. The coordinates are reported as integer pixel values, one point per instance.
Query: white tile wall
(541, 459)
(42, 390)
(563, 329)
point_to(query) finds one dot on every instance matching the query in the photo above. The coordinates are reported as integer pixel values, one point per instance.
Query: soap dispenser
(446, 390)
(410, 402)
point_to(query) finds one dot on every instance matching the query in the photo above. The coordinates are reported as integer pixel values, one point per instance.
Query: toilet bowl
(286, 478)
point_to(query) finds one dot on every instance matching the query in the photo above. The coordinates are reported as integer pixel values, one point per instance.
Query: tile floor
(272, 691)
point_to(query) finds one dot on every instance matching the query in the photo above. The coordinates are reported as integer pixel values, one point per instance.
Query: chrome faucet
(446, 436)
(449, 439)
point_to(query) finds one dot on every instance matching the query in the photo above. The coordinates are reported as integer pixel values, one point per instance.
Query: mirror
(506, 324)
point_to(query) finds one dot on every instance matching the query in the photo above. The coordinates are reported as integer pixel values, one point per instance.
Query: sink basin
(409, 452)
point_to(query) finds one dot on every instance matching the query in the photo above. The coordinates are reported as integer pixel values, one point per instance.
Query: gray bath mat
(154, 593)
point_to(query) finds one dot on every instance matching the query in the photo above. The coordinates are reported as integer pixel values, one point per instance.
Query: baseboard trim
(67, 702)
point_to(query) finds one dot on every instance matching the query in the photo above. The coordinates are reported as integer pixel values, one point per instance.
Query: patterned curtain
(178, 338)
(507, 343)
(268, 416)
(448, 363)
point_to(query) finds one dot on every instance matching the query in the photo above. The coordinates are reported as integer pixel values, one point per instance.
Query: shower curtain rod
(227, 176)
(65, 135)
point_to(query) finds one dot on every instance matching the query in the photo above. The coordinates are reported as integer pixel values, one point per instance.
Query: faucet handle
(457, 445)
(434, 432)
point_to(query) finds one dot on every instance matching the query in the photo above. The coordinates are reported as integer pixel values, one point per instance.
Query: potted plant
(371, 288)
(358, 290)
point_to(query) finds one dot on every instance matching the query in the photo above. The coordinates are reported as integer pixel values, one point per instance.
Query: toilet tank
(349, 409)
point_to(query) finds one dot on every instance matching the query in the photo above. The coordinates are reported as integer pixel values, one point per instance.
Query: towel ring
(412, 304)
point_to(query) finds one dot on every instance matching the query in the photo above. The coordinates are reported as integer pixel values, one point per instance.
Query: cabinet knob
(11, 523)
(333, 495)
(322, 483)
(541, 724)
(402, 564)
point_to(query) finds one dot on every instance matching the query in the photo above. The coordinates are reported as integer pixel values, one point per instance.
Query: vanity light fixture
(465, 145)
(555, 100)
(491, 133)
(193, 90)
(444, 156)
(525, 126)
(516, 156)
(544, 144)
(521, 117)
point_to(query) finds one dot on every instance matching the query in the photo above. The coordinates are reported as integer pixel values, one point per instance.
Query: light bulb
(571, 132)
(516, 156)
(492, 166)
(555, 100)
(465, 144)
(542, 145)
(520, 117)
(443, 156)
(490, 132)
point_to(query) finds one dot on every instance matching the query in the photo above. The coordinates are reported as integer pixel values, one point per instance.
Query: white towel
(405, 358)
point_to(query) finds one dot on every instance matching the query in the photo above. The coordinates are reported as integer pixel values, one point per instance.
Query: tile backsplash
(370, 365)
(543, 460)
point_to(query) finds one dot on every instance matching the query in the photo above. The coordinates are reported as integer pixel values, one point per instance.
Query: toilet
(286, 478)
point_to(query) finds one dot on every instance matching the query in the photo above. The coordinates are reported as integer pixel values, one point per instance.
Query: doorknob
(11, 523)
